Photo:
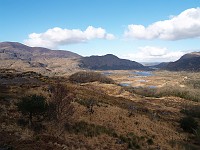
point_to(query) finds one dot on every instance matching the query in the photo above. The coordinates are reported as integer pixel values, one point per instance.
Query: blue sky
(141, 30)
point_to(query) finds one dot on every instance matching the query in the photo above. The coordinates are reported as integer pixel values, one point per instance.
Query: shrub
(131, 110)
(90, 107)
(186, 93)
(194, 83)
(144, 91)
(22, 122)
(197, 134)
(89, 130)
(150, 141)
(84, 77)
(92, 130)
(32, 105)
(188, 124)
(131, 140)
(193, 111)
(38, 127)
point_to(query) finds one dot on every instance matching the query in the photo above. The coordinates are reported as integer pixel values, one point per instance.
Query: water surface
(143, 73)
(125, 84)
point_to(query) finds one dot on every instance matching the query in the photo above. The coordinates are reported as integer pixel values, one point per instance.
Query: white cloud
(56, 37)
(154, 54)
(185, 25)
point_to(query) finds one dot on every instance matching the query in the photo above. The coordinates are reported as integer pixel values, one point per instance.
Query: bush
(89, 130)
(92, 130)
(150, 141)
(188, 124)
(186, 93)
(193, 111)
(22, 122)
(84, 77)
(144, 91)
(194, 84)
(197, 134)
(32, 105)
(131, 140)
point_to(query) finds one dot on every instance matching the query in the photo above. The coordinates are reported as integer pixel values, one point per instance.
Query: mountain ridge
(14, 55)
(109, 62)
(188, 62)
(13, 50)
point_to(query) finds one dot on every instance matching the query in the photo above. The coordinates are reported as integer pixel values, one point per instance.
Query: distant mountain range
(160, 65)
(17, 56)
(110, 62)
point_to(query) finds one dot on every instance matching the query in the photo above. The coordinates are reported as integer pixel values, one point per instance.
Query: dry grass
(142, 126)
(152, 125)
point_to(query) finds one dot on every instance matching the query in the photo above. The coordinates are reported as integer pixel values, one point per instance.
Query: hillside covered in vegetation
(40, 112)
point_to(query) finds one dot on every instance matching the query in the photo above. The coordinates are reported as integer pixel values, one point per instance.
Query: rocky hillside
(94, 115)
(41, 60)
(17, 56)
(188, 62)
(14, 50)
(109, 62)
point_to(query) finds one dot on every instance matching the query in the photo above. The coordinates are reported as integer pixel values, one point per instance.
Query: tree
(61, 109)
(90, 109)
(33, 105)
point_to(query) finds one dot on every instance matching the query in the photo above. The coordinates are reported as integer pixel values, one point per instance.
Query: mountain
(160, 65)
(150, 63)
(109, 62)
(188, 62)
(14, 50)
(17, 56)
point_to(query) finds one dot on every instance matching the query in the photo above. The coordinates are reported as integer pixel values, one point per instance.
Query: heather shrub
(186, 93)
(84, 77)
(188, 124)
(32, 105)
(193, 111)
(89, 130)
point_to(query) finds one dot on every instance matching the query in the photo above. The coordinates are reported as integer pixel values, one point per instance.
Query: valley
(99, 75)
(136, 116)
(52, 99)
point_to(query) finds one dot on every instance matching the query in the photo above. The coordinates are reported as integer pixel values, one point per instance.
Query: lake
(143, 73)
(125, 84)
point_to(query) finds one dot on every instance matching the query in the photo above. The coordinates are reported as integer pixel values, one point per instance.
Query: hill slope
(14, 50)
(188, 62)
(41, 60)
(109, 62)
(161, 65)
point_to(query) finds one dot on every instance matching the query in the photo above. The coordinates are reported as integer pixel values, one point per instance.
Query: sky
(139, 30)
